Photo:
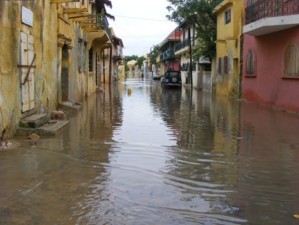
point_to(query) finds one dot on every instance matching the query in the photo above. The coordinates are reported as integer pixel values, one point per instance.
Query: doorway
(65, 74)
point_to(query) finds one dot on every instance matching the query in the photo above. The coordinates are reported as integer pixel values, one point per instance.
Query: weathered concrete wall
(59, 47)
(9, 89)
(43, 31)
(228, 45)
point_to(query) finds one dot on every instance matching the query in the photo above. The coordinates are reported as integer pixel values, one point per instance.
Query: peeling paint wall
(43, 31)
(228, 46)
(8, 70)
(56, 46)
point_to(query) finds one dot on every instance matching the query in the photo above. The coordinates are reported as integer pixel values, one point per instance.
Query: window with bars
(291, 64)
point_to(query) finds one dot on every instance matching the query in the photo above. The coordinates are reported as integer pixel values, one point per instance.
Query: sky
(140, 24)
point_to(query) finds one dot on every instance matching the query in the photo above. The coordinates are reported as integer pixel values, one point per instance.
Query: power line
(142, 18)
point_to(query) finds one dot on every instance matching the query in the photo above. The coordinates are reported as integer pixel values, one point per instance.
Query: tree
(200, 14)
(133, 57)
(154, 54)
(129, 58)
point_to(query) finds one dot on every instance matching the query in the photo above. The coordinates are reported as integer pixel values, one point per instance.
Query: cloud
(141, 24)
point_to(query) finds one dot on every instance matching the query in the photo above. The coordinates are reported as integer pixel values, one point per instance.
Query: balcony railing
(270, 8)
(167, 54)
(181, 45)
(103, 23)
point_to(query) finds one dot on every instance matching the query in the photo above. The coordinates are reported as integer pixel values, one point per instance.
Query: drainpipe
(103, 57)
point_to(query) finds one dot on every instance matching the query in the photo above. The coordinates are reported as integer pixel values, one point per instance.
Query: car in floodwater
(171, 78)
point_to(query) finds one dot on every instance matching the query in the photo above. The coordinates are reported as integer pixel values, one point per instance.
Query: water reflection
(140, 154)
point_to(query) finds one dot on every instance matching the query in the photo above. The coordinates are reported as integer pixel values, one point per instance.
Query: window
(223, 65)
(291, 65)
(250, 63)
(227, 16)
(219, 65)
(81, 55)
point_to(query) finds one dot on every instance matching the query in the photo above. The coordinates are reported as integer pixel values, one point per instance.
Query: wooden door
(27, 72)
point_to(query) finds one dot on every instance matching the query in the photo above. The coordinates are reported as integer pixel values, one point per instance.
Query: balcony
(169, 54)
(103, 23)
(268, 16)
(181, 47)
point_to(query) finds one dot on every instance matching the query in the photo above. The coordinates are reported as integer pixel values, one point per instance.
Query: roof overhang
(223, 5)
(271, 25)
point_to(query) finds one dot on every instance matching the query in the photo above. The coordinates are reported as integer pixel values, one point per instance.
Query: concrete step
(34, 121)
(70, 107)
(50, 128)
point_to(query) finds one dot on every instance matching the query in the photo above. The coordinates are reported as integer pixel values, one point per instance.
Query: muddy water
(138, 154)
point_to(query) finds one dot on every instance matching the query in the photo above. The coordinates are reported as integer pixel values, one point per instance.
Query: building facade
(168, 60)
(193, 72)
(271, 56)
(48, 55)
(228, 47)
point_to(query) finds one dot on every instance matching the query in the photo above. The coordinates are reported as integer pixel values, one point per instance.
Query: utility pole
(110, 64)
(190, 53)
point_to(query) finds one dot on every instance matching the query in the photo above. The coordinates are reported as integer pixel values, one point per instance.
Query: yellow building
(50, 53)
(228, 47)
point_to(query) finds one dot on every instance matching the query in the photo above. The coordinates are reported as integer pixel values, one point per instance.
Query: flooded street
(142, 155)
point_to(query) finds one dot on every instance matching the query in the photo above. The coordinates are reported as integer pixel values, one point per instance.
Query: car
(171, 78)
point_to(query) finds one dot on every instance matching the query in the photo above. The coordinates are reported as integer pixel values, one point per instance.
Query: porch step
(40, 124)
(70, 107)
(34, 121)
(50, 128)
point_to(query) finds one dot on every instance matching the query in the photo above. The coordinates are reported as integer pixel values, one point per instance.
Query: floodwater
(139, 154)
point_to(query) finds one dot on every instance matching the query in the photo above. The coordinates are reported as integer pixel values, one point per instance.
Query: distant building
(197, 70)
(167, 58)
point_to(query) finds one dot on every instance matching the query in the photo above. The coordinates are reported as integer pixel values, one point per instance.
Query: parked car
(171, 78)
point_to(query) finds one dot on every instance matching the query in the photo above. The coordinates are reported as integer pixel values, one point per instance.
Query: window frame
(227, 16)
(292, 64)
(250, 71)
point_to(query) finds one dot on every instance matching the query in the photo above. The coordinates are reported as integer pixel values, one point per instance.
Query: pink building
(167, 56)
(270, 53)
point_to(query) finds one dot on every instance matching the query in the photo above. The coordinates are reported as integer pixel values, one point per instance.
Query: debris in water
(296, 216)
(33, 138)
(129, 91)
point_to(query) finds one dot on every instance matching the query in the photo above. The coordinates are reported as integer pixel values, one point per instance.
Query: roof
(117, 41)
(223, 5)
(175, 35)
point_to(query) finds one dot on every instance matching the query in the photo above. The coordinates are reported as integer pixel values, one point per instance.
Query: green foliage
(154, 54)
(133, 57)
(140, 61)
(200, 14)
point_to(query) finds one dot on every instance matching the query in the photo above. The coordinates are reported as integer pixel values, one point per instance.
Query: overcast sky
(140, 24)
